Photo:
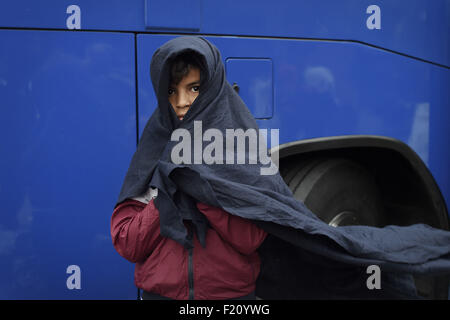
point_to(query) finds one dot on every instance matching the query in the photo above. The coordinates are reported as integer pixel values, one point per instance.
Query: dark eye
(195, 88)
(170, 91)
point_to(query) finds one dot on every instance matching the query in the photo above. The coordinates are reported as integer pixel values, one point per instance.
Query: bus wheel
(338, 191)
(342, 192)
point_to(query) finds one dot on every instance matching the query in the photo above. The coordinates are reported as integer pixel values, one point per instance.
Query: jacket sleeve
(135, 229)
(243, 235)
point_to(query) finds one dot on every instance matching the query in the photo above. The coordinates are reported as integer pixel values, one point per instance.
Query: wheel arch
(410, 193)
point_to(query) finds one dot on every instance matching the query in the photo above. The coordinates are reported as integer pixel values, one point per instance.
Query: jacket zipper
(190, 268)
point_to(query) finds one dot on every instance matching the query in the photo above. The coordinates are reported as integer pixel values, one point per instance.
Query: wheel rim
(345, 218)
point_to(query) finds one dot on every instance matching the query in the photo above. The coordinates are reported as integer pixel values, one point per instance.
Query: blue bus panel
(69, 127)
(419, 28)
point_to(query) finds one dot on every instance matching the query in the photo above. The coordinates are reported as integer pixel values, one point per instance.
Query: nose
(183, 100)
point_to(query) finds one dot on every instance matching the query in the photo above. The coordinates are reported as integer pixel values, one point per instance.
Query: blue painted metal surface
(69, 99)
(68, 131)
(415, 27)
(254, 78)
(159, 15)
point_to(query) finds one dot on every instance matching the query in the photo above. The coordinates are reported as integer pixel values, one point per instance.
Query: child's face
(183, 94)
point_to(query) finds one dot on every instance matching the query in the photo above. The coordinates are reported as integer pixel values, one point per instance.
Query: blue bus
(358, 90)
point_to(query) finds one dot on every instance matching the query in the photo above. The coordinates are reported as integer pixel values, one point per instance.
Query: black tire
(342, 192)
(338, 191)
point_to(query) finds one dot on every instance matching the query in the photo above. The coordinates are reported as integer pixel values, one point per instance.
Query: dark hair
(182, 64)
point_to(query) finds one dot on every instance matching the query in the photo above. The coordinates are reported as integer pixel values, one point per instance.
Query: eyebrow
(172, 85)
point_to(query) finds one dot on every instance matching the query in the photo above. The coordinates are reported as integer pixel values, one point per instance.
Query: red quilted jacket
(227, 268)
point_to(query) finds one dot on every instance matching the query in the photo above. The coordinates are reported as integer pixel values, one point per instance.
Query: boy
(226, 268)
